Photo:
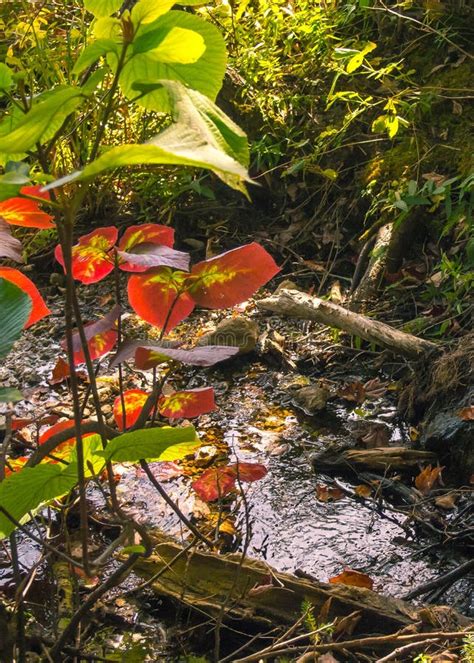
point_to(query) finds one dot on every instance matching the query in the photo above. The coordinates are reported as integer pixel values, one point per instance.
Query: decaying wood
(208, 582)
(379, 458)
(300, 305)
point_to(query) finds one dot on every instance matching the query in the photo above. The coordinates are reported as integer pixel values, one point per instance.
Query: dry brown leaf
(60, 372)
(445, 657)
(363, 490)
(375, 388)
(353, 578)
(447, 501)
(353, 392)
(326, 493)
(427, 478)
(467, 413)
(346, 625)
(377, 436)
(327, 658)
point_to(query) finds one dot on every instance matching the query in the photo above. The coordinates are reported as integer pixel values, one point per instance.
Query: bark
(211, 583)
(377, 459)
(299, 305)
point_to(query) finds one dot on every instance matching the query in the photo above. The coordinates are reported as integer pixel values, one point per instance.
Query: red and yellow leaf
(188, 404)
(220, 481)
(353, 578)
(232, 277)
(98, 346)
(158, 297)
(19, 211)
(64, 449)
(150, 245)
(150, 233)
(39, 309)
(214, 483)
(134, 400)
(15, 464)
(91, 259)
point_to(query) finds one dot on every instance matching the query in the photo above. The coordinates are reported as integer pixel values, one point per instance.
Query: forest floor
(299, 518)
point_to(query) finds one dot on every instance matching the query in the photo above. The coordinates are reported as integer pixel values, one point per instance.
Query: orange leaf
(91, 261)
(188, 404)
(60, 372)
(467, 413)
(326, 493)
(134, 400)
(353, 578)
(231, 277)
(427, 478)
(363, 490)
(23, 212)
(39, 310)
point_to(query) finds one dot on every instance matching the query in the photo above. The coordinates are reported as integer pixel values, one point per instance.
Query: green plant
(57, 130)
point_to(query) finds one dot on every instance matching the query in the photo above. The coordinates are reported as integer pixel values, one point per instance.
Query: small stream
(284, 522)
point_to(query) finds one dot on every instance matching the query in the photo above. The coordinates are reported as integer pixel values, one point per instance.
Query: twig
(404, 649)
(173, 505)
(445, 579)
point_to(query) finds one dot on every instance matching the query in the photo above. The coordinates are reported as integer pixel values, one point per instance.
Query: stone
(239, 332)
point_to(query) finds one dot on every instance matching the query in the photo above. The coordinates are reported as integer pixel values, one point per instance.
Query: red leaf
(18, 424)
(39, 310)
(149, 355)
(91, 261)
(35, 191)
(23, 212)
(146, 243)
(101, 337)
(232, 277)
(63, 449)
(219, 481)
(214, 483)
(99, 345)
(152, 295)
(10, 247)
(353, 578)
(248, 471)
(134, 400)
(189, 403)
(152, 233)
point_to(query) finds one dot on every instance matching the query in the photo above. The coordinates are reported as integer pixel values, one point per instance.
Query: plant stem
(65, 238)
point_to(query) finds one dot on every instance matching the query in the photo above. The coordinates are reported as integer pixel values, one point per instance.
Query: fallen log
(253, 592)
(300, 305)
(379, 458)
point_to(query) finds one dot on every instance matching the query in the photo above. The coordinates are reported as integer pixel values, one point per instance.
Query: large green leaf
(6, 77)
(176, 61)
(102, 7)
(15, 307)
(93, 52)
(201, 136)
(147, 11)
(148, 444)
(24, 491)
(41, 121)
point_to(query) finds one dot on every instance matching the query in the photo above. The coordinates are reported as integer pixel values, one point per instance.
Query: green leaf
(129, 550)
(42, 120)
(6, 77)
(10, 395)
(147, 11)
(93, 52)
(204, 74)
(356, 61)
(148, 443)
(15, 307)
(102, 7)
(24, 491)
(201, 136)
(10, 184)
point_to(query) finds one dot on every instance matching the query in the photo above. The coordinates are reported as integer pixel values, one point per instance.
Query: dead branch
(300, 305)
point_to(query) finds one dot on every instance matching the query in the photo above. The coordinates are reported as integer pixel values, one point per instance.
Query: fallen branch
(446, 579)
(299, 305)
